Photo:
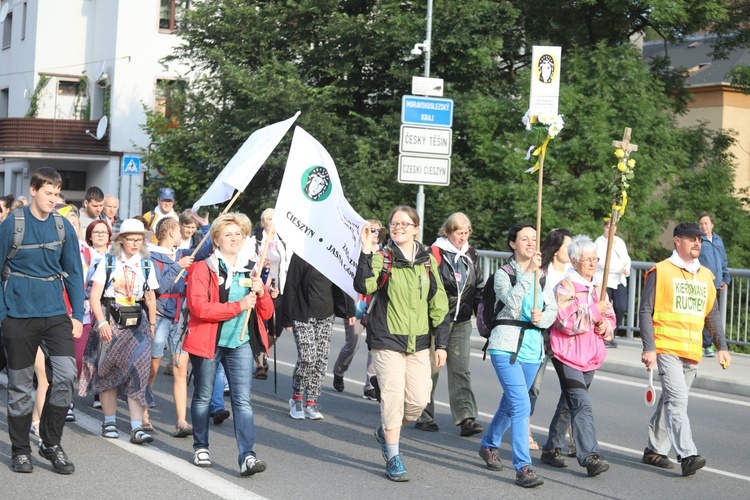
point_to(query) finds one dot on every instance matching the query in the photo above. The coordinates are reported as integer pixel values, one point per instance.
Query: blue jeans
(217, 396)
(514, 408)
(238, 364)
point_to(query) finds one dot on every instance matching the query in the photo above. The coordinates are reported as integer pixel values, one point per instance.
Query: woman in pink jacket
(221, 292)
(577, 339)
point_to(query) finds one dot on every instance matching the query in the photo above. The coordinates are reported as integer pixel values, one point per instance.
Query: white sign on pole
(545, 80)
(426, 140)
(435, 170)
(421, 85)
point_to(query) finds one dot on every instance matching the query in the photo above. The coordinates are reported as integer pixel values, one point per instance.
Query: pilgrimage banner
(245, 163)
(545, 80)
(312, 215)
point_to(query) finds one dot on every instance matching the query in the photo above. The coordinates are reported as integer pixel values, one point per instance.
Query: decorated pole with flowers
(542, 121)
(623, 175)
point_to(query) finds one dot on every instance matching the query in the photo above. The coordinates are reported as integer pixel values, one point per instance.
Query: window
(66, 87)
(169, 98)
(171, 14)
(73, 181)
(7, 30)
(23, 20)
(4, 100)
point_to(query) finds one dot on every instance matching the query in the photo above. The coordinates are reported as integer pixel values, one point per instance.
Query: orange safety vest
(681, 303)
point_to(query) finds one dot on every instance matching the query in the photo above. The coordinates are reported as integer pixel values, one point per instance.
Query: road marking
(201, 478)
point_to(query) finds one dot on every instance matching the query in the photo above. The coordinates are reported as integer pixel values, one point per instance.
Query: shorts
(165, 334)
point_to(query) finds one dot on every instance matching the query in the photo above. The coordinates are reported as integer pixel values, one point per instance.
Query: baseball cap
(166, 194)
(687, 229)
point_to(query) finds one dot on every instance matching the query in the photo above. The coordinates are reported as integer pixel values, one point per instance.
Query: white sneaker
(251, 466)
(70, 416)
(202, 458)
(313, 412)
(295, 409)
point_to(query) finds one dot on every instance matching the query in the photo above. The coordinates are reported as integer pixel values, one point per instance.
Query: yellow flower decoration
(621, 166)
(620, 153)
(631, 163)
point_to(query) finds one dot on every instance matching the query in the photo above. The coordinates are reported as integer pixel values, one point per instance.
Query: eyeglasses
(99, 233)
(376, 229)
(589, 261)
(402, 225)
(134, 241)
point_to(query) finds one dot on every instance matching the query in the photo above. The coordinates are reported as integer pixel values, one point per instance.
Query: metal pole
(426, 49)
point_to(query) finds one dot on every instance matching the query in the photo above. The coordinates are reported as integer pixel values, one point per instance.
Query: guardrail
(734, 302)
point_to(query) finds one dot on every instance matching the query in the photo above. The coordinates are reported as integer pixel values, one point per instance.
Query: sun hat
(133, 226)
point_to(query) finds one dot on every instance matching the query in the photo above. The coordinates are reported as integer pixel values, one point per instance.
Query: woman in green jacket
(408, 309)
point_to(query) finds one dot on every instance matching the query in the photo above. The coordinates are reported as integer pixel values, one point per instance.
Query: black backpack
(18, 232)
(491, 306)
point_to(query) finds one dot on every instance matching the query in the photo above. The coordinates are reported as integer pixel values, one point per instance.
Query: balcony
(51, 136)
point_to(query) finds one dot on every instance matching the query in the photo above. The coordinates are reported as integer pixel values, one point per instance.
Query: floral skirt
(123, 363)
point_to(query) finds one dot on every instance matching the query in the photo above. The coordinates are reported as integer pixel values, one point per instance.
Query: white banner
(312, 215)
(245, 163)
(545, 80)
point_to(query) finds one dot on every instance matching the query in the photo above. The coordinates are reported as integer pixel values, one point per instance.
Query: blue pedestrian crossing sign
(131, 165)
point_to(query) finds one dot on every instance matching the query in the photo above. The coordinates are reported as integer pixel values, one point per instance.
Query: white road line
(201, 478)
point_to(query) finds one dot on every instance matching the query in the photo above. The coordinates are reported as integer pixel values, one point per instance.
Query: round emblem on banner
(316, 183)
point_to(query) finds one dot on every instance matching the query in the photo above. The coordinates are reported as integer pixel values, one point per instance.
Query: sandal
(139, 436)
(109, 430)
(183, 431)
(533, 445)
(260, 373)
(202, 458)
(146, 426)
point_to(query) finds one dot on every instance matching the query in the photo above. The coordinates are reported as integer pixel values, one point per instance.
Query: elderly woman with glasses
(408, 312)
(584, 323)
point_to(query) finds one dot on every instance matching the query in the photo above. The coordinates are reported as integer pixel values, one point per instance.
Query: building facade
(75, 79)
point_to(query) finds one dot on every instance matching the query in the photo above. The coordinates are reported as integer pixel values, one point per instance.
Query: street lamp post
(426, 47)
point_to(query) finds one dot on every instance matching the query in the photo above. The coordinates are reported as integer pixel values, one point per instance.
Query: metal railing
(734, 302)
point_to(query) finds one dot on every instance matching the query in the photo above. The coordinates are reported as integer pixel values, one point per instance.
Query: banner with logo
(245, 163)
(312, 215)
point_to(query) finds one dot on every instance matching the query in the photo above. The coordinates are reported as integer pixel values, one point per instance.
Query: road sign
(421, 85)
(131, 165)
(434, 170)
(430, 111)
(426, 140)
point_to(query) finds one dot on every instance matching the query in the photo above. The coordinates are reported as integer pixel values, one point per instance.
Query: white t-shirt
(126, 279)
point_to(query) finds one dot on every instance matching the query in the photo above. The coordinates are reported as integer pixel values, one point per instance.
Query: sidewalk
(626, 360)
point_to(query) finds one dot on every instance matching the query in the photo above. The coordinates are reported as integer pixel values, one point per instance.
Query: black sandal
(260, 373)
(139, 436)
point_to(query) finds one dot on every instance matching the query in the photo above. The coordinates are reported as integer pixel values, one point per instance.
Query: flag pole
(538, 222)
(258, 267)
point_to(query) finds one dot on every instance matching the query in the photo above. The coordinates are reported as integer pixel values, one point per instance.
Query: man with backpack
(41, 262)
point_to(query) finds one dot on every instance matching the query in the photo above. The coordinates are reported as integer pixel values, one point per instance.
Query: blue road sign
(431, 111)
(131, 165)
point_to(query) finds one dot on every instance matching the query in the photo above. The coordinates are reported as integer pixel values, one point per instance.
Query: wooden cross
(625, 143)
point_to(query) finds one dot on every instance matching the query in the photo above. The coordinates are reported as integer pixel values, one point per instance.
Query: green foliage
(740, 77)
(34, 101)
(346, 64)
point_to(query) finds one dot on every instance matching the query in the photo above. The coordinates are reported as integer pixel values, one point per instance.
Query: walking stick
(275, 381)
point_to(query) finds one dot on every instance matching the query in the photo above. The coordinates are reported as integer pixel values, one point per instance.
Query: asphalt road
(339, 458)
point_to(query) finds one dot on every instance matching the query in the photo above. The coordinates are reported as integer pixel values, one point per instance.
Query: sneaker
(650, 457)
(312, 412)
(395, 469)
(375, 387)
(251, 465)
(554, 458)
(491, 458)
(469, 427)
(97, 404)
(611, 345)
(168, 369)
(370, 395)
(380, 436)
(691, 464)
(709, 352)
(296, 411)
(57, 456)
(427, 426)
(572, 450)
(220, 416)
(527, 478)
(22, 463)
(226, 387)
(595, 465)
(71, 416)
(338, 383)
(202, 458)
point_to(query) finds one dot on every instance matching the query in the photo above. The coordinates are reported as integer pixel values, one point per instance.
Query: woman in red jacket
(221, 292)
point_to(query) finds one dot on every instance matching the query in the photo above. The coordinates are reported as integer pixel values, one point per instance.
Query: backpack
(490, 307)
(110, 267)
(17, 243)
